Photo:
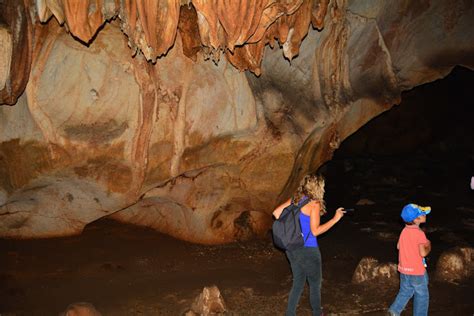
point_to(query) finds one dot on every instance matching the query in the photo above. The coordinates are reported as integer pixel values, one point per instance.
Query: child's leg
(404, 295)
(422, 296)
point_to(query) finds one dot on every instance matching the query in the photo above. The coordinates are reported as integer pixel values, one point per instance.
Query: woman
(306, 261)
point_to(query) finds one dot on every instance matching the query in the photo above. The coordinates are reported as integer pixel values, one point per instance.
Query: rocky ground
(128, 270)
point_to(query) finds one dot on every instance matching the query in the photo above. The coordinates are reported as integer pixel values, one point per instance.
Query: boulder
(209, 302)
(455, 265)
(81, 309)
(370, 269)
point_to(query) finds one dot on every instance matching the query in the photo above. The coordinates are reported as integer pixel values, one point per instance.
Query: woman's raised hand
(339, 214)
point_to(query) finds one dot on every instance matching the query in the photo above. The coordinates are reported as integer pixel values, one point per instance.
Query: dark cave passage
(421, 151)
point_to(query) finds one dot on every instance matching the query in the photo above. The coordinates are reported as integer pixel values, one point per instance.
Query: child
(413, 247)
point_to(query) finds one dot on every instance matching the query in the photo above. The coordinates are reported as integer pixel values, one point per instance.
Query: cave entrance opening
(421, 151)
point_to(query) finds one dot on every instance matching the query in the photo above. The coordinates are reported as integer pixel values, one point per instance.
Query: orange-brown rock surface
(16, 33)
(130, 119)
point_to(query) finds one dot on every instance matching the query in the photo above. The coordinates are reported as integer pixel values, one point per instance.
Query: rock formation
(372, 271)
(455, 265)
(145, 112)
(208, 302)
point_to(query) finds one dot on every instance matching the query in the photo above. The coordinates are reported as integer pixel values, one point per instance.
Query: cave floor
(127, 270)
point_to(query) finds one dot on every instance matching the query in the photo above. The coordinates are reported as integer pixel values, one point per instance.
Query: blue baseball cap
(412, 211)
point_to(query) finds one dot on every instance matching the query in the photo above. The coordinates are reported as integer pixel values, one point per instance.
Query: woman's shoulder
(306, 209)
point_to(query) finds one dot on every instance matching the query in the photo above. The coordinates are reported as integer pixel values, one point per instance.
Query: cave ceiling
(196, 117)
(236, 30)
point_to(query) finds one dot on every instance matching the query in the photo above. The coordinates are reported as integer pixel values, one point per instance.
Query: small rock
(248, 291)
(81, 309)
(465, 209)
(209, 302)
(455, 264)
(369, 269)
(348, 166)
(432, 229)
(389, 180)
(365, 202)
(451, 237)
(469, 223)
(387, 236)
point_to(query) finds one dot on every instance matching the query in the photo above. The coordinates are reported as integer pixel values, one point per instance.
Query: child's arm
(425, 249)
(279, 209)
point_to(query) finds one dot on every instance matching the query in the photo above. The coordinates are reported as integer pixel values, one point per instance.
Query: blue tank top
(311, 240)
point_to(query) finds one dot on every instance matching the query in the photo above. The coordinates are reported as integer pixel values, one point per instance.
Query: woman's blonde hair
(312, 186)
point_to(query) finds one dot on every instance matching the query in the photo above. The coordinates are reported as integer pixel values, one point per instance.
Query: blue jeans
(412, 285)
(306, 266)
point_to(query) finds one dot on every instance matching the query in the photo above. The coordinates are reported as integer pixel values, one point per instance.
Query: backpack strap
(305, 200)
(309, 233)
(302, 203)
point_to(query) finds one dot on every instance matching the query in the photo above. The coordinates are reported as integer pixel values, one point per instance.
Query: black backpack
(287, 234)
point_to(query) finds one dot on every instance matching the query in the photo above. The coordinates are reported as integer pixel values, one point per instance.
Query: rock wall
(192, 147)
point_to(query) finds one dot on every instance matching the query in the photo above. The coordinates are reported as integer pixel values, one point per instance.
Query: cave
(145, 144)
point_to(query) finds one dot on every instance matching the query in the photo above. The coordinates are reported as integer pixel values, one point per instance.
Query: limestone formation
(5, 55)
(143, 112)
(209, 302)
(455, 265)
(81, 309)
(370, 270)
(16, 36)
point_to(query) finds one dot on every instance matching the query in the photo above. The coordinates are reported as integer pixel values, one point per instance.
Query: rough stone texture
(16, 33)
(209, 302)
(369, 269)
(194, 148)
(455, 265)
(152, 25)
(81, 309)
(238, 30)
(5, 55)
(66, 146)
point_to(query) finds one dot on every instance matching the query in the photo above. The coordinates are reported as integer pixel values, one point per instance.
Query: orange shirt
(409, 259)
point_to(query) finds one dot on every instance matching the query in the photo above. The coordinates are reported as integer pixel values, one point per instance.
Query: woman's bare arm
(279, 209)
(315, 220)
